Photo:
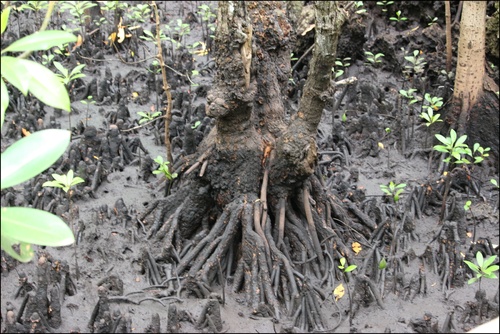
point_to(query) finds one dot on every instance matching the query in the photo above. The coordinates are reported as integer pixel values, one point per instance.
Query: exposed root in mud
(283, 252)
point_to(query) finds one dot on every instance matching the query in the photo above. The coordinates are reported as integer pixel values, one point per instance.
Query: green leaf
(54, 184)
(26, 250)
(479, 259)
(46, 86)
(472, 280)
(472, 266)
(350, 268)
(491, 269)
(490, 275)
(14, 71)
(32, 155)
(382, 264)
(4, 19)
(35, 226)
(442, 139)
(77, 70)
(489, 261)
(4, 100)
(42, 40)
(60, 68)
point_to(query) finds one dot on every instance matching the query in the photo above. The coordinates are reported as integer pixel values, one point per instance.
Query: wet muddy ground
(113, 247)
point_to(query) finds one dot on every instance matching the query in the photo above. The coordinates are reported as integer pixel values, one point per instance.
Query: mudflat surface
(112, 241)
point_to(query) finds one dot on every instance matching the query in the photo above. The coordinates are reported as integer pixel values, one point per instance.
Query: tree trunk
(256, 208)
(470, 63)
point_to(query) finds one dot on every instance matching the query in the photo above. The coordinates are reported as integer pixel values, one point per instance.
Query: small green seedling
(344, 117)
(88, 102)
(434, 102)
(430, 118)
(66, 76)
(433, 21)
(343, 267)
(483, 268)
(359, 7)
(384, 4)
(47, 59)
(163, 168)
(398, 17)
(339, 64)
(417, 63)
(457, 149)
(408, 94)
(64, 181)
(393, 190)
(373, 59)
(195, 125)
(382, 264)
(148, 116)
(494, 182)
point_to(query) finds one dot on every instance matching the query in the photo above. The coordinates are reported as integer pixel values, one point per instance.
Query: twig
(166, 87)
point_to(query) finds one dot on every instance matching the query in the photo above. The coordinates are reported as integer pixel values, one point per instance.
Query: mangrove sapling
(148, 116)
(338, 292)
(89, 101)
(34, 153)
(398, 18)
(66, 182)
(393, 190)
(467, 208)
(434, 103)
(373, 59)
(457, 151)
(482, 268)
(164, 170)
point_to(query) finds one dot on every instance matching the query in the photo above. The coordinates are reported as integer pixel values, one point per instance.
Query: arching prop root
(274, 254)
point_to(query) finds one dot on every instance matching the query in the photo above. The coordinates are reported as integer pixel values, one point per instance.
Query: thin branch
(166, 87)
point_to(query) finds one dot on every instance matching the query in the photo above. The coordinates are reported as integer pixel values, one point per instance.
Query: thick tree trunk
(257, 167)
(470, 63)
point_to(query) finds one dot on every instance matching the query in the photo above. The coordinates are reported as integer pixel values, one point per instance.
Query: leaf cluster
(343, 267)
(34, 153)
(393, 189)
(64, 181)
(148, 116)
(458, 150)
(163, 168)
(483, 268)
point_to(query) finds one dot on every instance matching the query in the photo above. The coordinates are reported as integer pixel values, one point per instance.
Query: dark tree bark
(250, 206)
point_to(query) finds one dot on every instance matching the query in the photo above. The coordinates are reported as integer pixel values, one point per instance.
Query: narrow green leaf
(472, 266)
(491, 269)
(35, 226)
(77, 70)
(382, 264)
(61, 68)
(46, 86)
(14, 71)
(442, 139)
(7, 244)
(42, 40)
(489, 261)
(53, 184)
(350, 268)
(32, 155)
(472, 280)
(4, 19)
(479, 259)
(4, 100)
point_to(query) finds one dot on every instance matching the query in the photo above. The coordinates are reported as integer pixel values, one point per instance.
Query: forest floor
(111, 242)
